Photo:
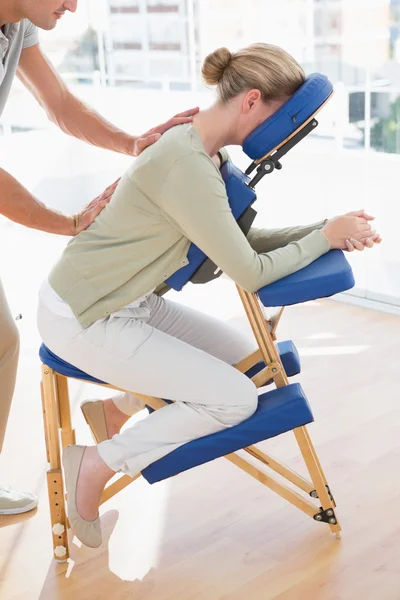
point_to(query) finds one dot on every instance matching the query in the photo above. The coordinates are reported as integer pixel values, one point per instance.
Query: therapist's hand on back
(154, 134)
(351, 231)
(86, 217)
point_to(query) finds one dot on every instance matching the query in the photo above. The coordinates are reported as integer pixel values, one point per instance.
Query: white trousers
(159, 349)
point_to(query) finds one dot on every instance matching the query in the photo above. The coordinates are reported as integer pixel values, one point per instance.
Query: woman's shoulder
(179, 141)
(179, 146)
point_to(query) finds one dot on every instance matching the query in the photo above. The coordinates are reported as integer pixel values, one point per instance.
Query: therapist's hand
(86, 217)
(154, 134)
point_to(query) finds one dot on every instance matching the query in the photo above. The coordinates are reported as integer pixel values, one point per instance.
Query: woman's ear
(251, 101)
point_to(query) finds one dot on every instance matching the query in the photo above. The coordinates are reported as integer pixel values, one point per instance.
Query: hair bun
(214, 65)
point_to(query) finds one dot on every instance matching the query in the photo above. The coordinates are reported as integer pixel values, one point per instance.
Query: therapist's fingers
(349, 246)
(154, 134)
(144, 142)
(171, 123)
(188, 113)
(108, 192)
(111, 188)
(94, 208)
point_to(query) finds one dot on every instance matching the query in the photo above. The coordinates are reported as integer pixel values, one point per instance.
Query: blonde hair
(264, 67)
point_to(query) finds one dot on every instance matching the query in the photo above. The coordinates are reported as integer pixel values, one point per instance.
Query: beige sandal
(93, 411)
(88, 532)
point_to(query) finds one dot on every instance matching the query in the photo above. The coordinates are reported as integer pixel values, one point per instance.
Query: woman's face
(253, 111)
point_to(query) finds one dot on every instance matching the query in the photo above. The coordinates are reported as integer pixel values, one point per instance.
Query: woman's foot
(104, 418)
(85, 476)
(114, 417)
(92, 479)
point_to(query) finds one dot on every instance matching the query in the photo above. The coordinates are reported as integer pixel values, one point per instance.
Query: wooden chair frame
(59, 434)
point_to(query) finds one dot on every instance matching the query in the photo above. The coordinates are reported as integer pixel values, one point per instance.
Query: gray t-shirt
(14, 37)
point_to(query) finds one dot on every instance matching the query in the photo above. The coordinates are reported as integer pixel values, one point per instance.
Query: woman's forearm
(266, 240)
(18, 205)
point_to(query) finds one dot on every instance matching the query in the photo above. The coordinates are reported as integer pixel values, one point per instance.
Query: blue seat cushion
(328, 275)
(288, 352)
(240, 197)
(286, 120)
(61, 366)
(278, 411)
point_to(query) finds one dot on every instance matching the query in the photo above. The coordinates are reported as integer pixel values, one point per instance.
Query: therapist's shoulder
(30, 33)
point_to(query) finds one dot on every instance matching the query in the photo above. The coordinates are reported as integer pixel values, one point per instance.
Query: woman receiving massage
(99, 311)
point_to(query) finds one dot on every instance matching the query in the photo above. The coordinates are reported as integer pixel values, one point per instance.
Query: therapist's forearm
(83, 122)
(18, 205)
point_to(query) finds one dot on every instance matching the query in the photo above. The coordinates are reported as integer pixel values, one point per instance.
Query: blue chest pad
(240, 197)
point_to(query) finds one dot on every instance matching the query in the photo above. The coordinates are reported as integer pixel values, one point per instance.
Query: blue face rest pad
(300, 107)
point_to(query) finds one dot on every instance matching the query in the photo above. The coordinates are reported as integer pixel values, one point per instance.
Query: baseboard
(380, 306)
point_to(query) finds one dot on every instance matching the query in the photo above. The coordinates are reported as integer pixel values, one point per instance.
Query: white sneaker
(15, 502)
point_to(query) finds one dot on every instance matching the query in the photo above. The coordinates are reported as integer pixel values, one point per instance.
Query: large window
(139, 61)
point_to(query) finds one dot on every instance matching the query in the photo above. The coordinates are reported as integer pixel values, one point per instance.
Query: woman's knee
(241, 403)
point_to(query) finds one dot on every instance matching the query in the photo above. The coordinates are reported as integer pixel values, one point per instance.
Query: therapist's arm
(20, 206)
(194, 200)
(77, 118)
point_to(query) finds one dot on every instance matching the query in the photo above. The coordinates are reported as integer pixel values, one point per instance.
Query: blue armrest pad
(328, 275)
(240, 197)
(290, 360)
(286, 120)
(278, 411)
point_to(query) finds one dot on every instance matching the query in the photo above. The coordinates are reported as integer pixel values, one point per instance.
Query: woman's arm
(266, 240)
(194, 200)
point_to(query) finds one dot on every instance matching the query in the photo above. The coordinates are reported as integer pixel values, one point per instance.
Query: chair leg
(46, 435)
(319, 466)
(327, 513)
(67, 433)
(54, 474)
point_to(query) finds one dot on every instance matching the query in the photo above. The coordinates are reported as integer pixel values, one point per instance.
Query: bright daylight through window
(138, 61)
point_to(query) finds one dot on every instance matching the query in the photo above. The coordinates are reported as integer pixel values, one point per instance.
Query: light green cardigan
(172, 195)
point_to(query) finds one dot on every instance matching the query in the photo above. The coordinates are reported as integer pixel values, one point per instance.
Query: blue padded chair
(280, 410)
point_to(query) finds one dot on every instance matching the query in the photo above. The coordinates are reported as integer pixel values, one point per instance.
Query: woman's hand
(353, 227)
(353, 244)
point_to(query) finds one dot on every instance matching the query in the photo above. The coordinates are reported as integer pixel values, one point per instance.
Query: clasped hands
(351, 231)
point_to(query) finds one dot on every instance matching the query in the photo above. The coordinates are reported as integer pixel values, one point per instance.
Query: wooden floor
(213, 533)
